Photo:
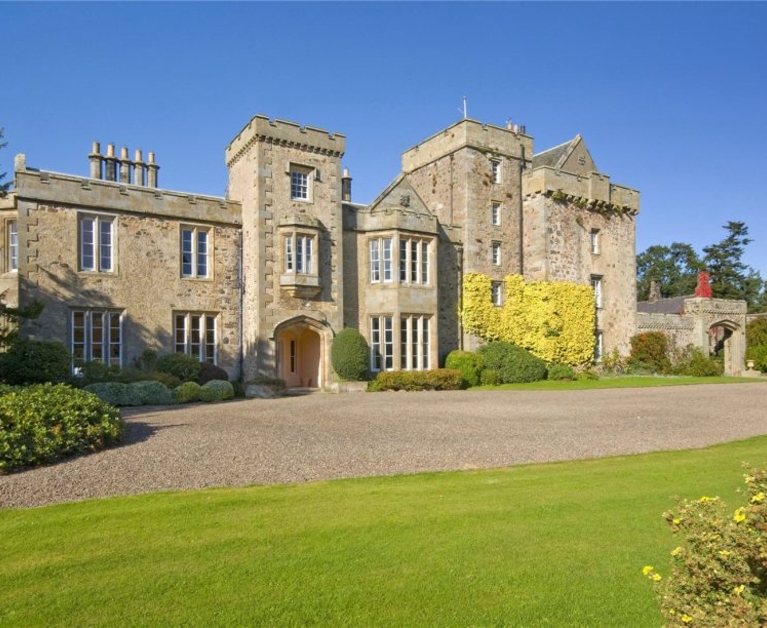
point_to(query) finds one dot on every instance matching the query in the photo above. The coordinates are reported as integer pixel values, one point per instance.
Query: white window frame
(381, 259)
(301, 181)
(597, 287)
(196, 334)
(496, 293)
(414, 260)
(495, 170)
(599, 350)
(382, 343)
(415, 342)
(97, 246)
(97, 335)
(594, 241)
(195, 252)
(12, 239)
(299, 254)
(496, 253)
(495, 213)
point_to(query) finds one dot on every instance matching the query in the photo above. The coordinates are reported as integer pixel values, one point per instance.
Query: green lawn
(624, 381)
(540, 545)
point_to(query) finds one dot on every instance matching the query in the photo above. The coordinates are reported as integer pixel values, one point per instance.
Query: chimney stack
(96, 161)
(346, 187)
(111, 164)
(655, 294)
(125, 166)
(151, 171)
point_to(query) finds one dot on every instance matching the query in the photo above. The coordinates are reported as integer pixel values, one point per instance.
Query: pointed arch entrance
(726, 340)
(301, 352)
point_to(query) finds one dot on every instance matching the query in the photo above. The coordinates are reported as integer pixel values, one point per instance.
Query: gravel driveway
(324, 436)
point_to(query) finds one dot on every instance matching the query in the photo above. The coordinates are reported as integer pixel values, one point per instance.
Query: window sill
(300, 285)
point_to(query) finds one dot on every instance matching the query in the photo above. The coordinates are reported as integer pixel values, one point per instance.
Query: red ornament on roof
(703, 289)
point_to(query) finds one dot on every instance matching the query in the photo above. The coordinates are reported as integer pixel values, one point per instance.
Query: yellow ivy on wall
(553, 320)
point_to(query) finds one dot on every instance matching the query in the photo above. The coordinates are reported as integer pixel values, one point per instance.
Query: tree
(730, 277)
(674, 267)
(4, 187)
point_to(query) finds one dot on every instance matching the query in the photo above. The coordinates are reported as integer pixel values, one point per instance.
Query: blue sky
(671, 98)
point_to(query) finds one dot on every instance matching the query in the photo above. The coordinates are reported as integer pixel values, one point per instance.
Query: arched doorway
(726, 340)
(299, 347)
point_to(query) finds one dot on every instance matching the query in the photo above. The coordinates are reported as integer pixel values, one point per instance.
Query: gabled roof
(400, 194)
(572, 156)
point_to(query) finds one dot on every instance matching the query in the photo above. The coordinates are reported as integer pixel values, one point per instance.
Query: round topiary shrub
(350, 354)
(187, 392)
(469, 363)
(35, 362)
(45, 422)
(216, 390)
(512, 363)
(152, 393)
(115, 393)
(186, 367)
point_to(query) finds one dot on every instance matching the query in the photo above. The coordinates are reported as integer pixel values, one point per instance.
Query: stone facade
(261, 281)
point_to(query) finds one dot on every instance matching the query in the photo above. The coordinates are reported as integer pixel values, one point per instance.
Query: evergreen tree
(730, 277)
(674, 267)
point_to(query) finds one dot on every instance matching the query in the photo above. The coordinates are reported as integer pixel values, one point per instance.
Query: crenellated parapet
(287, 134)
(593, 192)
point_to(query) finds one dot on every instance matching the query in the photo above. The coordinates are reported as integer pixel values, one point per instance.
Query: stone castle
(260, 281)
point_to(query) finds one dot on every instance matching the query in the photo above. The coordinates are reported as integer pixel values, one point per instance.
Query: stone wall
(146, 283)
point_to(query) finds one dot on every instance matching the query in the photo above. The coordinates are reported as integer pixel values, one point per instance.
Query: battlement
(286, 133)
(511, 141)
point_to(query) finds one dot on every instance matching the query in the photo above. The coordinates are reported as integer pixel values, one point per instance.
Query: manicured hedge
(349, 355)
(469, 363)
(512, 364)
(35, 362)
(185, 367)
(116, 393)
(216, 390)
(187, 392)
(436, 379)
(45, 422)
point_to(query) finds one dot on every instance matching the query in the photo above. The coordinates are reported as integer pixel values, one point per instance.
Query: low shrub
(35, 362)
(490, 377)
(693, 362)
(717, 574)
(435, 379)
(613, 363)
(93, 372)
(561, 372)
(587, 374)
(650, 353)
(116, 393)
(45, 422)
(513, 364)
(216, 390)
(759, 356)
(349, 355)
(152, 393)
(469, 363)
(185, 367)
(209, 372)
(187, 392)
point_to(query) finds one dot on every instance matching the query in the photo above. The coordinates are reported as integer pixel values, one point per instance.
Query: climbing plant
(552, 320)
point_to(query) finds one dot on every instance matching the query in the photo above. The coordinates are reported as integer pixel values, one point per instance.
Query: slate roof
(553, 157)
(672, 305)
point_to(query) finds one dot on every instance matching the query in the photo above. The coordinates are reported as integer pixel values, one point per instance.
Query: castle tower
(288, 179)
(470, 176)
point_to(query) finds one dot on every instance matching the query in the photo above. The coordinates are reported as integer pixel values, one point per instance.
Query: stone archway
(301, 352)
(726, 338)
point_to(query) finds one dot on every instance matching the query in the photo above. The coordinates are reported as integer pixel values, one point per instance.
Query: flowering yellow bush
(718, 577)
(552, 320)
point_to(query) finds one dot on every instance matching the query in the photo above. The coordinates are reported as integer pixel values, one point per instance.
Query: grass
(540, 545)
(623, 381)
